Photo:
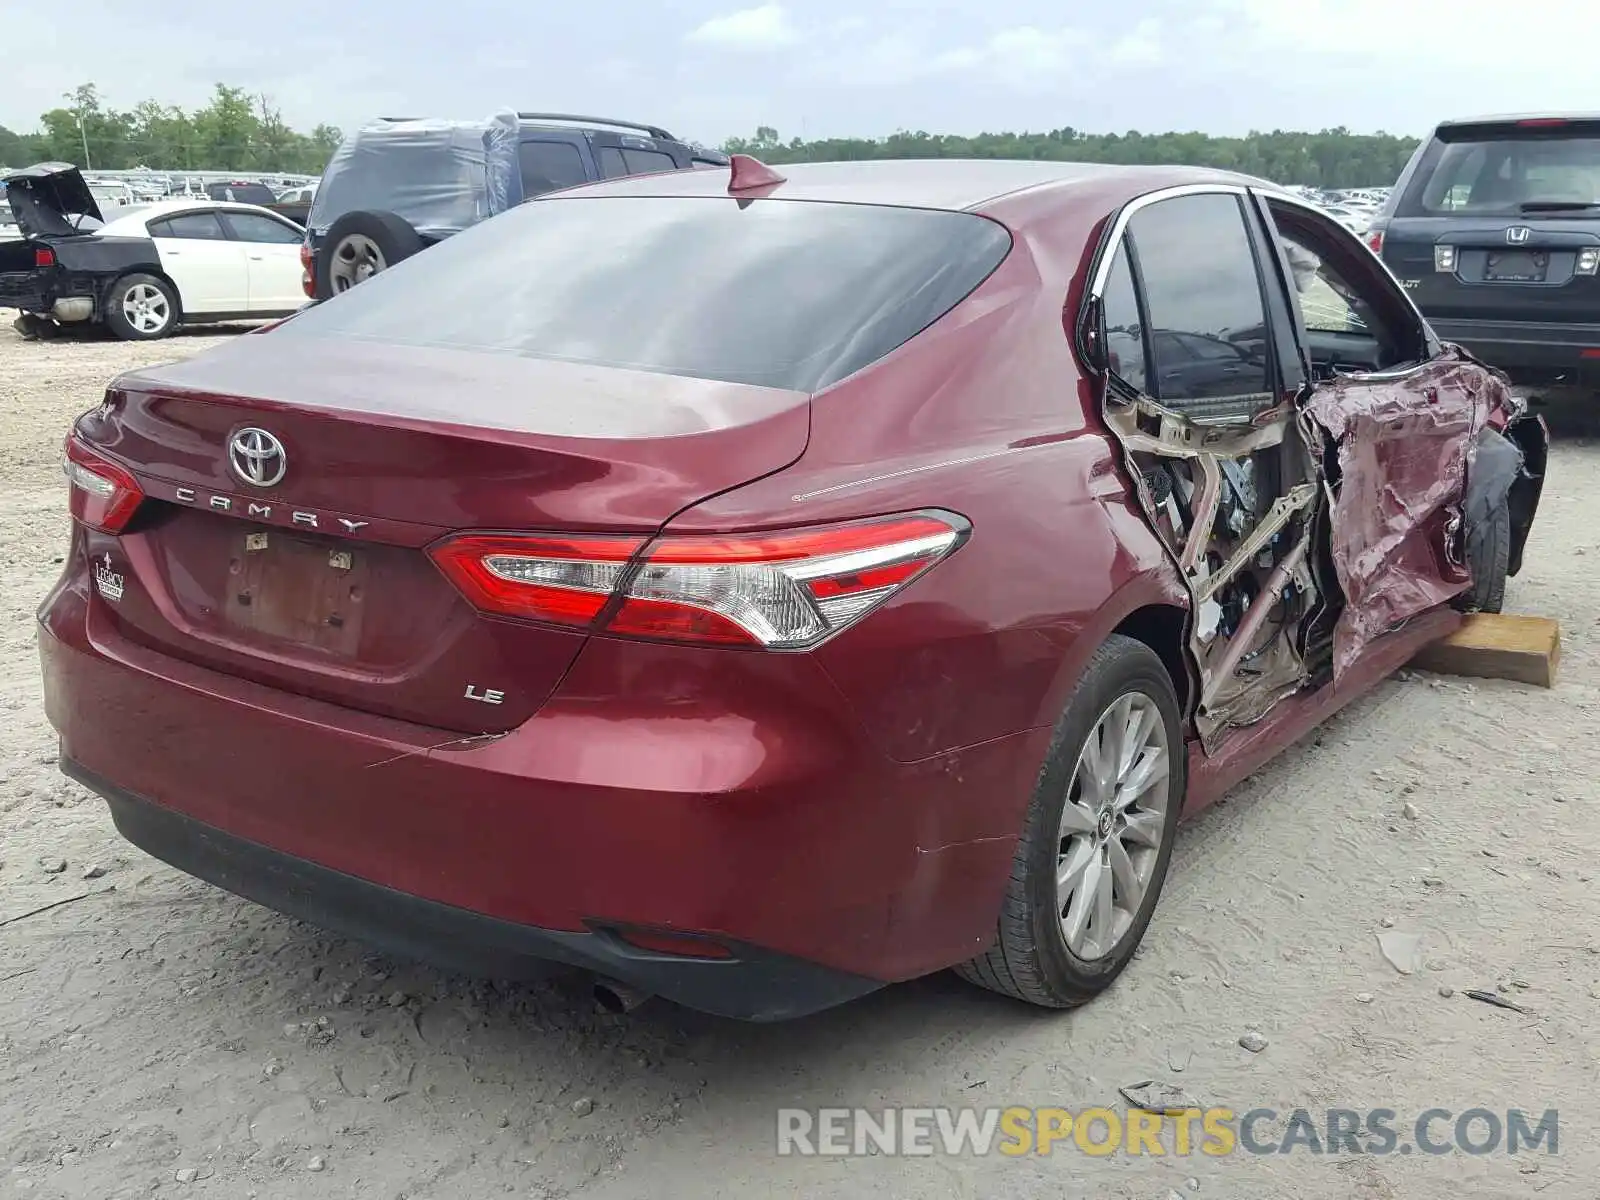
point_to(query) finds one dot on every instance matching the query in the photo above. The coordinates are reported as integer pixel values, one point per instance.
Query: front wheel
(1098, 838)
(1489, 560)
(140, 308)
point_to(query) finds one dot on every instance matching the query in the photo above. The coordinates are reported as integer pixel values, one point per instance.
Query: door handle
(258, 257)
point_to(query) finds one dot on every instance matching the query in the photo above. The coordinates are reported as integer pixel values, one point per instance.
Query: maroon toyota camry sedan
(755, 589)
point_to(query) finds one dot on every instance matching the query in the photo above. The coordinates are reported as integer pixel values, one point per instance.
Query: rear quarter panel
(984, 414)
(107, 255)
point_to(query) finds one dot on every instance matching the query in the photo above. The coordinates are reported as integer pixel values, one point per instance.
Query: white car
(221, 261)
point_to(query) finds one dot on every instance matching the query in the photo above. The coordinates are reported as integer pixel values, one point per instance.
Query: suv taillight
(783, 589)
(1375, 241)
(103, 494)
(43, 256)
(308, 282)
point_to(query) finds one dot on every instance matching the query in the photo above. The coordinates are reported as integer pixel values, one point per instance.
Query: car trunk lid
(319, 582)
(1505, 269)
(44, 199)
(1500, 221)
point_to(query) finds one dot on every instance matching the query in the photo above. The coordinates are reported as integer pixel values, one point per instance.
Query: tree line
(239, 131)
(1331, 158)
(235, 131)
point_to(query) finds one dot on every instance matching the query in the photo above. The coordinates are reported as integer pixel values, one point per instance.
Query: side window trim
(1267, 248)
(1395, 294)
(1136, 273)
(1284, 274)
(1117, 235)
(1269, 389)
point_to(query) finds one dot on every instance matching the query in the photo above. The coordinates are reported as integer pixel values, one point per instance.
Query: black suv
(1494, 228)
(398, 185)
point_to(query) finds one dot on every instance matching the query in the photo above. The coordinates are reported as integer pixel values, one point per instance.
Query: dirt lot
(159, 1036)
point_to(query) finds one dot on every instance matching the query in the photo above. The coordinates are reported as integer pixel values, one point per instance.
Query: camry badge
(257, 457)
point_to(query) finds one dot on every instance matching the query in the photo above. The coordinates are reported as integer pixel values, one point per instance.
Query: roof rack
(654, 131)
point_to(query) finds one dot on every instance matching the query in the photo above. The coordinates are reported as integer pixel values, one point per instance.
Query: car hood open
(45, 197)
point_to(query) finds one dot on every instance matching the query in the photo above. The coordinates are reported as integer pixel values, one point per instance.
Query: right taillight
(1375, 241)
(103, 494)
(308, 283)
(783, 589)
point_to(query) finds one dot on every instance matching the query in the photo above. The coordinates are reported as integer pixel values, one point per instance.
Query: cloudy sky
(708, 68)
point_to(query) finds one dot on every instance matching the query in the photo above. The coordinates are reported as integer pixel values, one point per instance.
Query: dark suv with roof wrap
(397, 186)
(1494, 228)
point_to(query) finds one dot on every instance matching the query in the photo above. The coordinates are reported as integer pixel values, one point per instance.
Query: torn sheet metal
(1405, 448)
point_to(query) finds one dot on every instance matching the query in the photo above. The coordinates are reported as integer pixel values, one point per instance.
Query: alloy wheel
(355, 259)
(146, 309)
(1112, 825)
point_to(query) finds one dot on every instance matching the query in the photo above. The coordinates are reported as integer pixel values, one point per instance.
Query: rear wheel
(1098, 839)
(140, 308)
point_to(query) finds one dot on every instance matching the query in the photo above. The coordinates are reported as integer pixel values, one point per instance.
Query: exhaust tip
(617, 998)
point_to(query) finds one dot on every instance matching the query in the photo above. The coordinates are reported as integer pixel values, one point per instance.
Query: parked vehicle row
(393, 188)
(786, 600)
(147, 270)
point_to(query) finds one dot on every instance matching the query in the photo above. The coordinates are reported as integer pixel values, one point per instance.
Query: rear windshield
(1508, 174)
(783, 294)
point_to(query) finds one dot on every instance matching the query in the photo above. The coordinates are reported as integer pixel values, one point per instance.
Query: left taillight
(784, 589)
(103, 494)
(43, 256)
(308, 283)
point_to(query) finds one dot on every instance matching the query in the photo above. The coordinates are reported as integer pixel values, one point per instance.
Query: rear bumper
(1530, 351)
(746, 807)
(24, 290)
(753, 986)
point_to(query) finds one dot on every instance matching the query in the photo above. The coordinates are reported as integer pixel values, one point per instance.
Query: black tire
(115, 310)
(392, 235)
(1489, 560)
(1030, 959)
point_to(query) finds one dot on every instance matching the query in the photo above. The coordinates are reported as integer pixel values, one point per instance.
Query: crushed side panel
(1404, 449)
(1237, 503)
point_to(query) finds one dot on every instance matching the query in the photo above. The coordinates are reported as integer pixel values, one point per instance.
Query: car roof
(1513, 118)
(164, 208)
(942, 183)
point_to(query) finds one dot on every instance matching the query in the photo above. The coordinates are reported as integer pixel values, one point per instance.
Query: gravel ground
(159, 1036)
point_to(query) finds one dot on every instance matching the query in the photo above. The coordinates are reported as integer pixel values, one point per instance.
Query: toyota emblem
(257, 457)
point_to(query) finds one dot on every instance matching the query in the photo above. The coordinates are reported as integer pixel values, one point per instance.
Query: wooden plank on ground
(1498, 646)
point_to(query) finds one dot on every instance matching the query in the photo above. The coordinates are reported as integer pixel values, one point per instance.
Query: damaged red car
(756, 590)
